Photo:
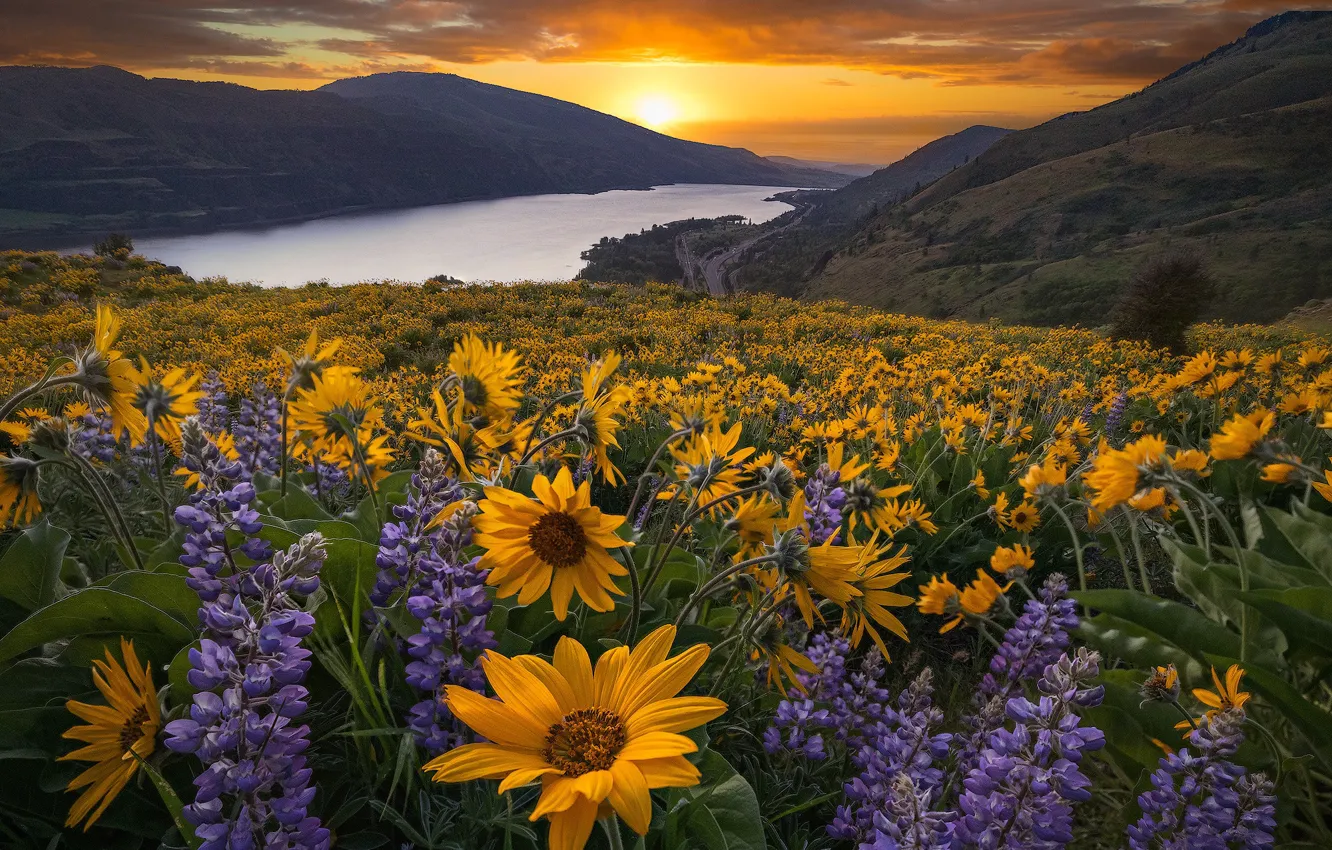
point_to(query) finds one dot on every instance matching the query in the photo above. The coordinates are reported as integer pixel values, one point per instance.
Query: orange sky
(848, 80)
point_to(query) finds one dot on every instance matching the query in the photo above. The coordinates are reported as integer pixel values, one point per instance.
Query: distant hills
(1229, 157)
(99, 149)
(854, 169)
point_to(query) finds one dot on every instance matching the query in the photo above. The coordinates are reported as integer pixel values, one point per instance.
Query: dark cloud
(957, 42)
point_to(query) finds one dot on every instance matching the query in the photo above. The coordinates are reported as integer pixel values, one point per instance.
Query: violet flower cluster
(1203, 801)
(1009, 779)
(213, 413)
(92, 437)
(255, 789)
(444, 591)
(1022, 791)
(258, 432)
(824, 500)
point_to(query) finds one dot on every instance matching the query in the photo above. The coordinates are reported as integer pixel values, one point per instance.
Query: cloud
(956, 42)
(833, 81)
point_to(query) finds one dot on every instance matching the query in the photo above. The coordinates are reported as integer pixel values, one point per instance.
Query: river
(539, 237)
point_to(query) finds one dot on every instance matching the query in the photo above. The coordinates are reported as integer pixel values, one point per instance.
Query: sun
(656, 111)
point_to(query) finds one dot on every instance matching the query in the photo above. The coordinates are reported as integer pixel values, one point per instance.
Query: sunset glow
(835, 80)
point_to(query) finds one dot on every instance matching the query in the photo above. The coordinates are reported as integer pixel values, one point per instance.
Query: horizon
(850, 85)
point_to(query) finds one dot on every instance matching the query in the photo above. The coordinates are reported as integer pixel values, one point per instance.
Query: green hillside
(1228, 157)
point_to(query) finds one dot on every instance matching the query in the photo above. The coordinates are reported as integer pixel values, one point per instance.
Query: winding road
(714, 268)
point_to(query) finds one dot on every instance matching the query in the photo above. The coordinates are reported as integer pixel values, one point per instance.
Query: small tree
(114, 245)
(1165, 296)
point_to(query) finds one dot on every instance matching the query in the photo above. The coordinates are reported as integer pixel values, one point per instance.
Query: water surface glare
(533, 238)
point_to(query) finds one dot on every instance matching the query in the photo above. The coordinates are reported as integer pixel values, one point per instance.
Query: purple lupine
(330, 479)
(214, 415)
(793, 729)
(404, 543)
(449, 598)
(258, 431)
(1021, 792)
(255, 790)
(1114, 417)
(908, 744)
(223, 503)
(824, 500)
(910, 822)
(91, 437)
(1204, 800)
(1034, 642)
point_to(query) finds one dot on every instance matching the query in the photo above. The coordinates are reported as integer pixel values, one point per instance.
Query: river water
(533, 238)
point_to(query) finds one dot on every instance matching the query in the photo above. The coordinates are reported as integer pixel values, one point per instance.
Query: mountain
(1228, 157)
(96, 149)
(851, 169)
(887, 186)
(828, 220)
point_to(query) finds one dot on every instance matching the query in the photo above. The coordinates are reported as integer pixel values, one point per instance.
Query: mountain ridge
(1226, 158)
(92, 150)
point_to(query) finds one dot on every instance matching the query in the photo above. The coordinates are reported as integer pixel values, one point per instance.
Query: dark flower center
(585, 740)
(132, 731)
(474, 391)
(558, 539)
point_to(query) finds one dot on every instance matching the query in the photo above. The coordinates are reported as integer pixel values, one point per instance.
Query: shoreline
(72, 241)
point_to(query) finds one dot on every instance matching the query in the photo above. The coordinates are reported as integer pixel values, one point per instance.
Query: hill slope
(100, 148)
(1228, 157)
(828, 220)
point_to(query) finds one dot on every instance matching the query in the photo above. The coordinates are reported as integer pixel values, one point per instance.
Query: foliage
(1166, 296)
(756, 496)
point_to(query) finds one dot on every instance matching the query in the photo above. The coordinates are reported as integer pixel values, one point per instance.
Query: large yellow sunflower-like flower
(490, 377)
(598, 417)
(1238, 436)
(118, 734)
(594, 738)
(1115, 474)
(557, 541)
(108, 379)
(941, 598)
(711, 462)
(338, 418)
(167, 400)
(19, 504)
(873, 577)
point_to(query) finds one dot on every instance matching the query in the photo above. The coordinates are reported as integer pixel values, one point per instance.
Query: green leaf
(724, 811)
(1304, 614)
(297, 504)
(1179, 624)
(97, 616)
(30, 568)
(1119, 638)
(1304, 540)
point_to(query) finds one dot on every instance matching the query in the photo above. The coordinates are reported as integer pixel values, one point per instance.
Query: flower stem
(156, 444)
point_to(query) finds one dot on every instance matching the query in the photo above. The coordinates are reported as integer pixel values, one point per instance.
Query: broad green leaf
(1304, 540)
(30, 567)
(1304, 614)
(297, 504)
(1119, 638)
(99, 616)
(1179, 624)
(731, 806)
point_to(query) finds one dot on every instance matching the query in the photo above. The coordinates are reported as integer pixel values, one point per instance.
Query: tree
(115, 244)
(1165, 296)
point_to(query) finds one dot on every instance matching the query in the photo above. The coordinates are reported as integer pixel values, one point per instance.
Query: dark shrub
(113, 245)
(1165, 296)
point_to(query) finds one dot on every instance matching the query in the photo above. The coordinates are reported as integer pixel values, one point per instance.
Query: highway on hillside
(715, 266)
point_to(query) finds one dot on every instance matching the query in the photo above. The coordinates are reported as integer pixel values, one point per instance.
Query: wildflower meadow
(584, 565)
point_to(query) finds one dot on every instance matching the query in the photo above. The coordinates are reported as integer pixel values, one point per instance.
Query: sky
(843, 80)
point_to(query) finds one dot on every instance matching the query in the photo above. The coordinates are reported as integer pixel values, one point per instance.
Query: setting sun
(656, 111)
